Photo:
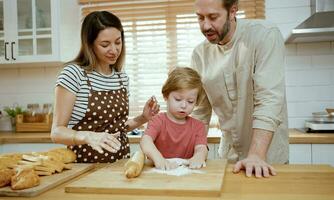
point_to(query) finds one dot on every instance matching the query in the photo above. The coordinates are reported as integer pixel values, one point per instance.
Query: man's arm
(203, 109)
(269, 103)
(261, 140)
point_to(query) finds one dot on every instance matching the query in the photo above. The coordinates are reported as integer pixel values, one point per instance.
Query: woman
(91, 95)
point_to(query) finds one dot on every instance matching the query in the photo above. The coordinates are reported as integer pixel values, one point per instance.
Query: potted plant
(12, 112)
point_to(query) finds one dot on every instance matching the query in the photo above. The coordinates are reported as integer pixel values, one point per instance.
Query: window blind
(159, 35)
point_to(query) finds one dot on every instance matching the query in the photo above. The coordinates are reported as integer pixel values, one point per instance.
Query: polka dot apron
(107, 112)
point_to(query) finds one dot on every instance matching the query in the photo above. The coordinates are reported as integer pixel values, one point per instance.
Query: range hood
(318, 27)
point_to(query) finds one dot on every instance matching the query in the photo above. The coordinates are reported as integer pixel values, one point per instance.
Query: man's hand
(254, 163)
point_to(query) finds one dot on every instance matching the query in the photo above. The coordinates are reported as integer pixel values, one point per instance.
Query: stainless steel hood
(318, 27)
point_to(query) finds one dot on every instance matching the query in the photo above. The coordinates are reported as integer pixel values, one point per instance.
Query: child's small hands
(165, 164)
(151, 108)
(195, 163)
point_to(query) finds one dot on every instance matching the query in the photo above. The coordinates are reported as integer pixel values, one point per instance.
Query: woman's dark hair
(92, 24)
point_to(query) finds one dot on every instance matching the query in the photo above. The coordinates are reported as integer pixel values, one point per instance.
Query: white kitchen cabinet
(323, 154)
(34, 31)
(134, 148)
(212, 154)
(28, 147)
(300, 154)
(311, 154)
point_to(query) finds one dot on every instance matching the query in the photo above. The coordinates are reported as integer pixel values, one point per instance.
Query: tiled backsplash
(309, 70)
(27, 85)
(309, 66)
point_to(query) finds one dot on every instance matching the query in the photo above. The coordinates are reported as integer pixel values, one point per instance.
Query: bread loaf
(5, 176)
(134, 165)
(24, 178)
(61, 154)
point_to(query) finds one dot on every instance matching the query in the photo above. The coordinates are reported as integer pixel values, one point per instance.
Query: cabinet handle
(6, 50)
(12, 48)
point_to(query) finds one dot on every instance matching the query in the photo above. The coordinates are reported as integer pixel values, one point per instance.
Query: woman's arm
(64, 104)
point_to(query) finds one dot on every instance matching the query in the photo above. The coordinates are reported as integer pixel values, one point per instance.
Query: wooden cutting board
(48, 182)
(111, 180)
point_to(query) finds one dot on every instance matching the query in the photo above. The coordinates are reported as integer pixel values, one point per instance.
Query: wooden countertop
(296, 137)
(295, 182)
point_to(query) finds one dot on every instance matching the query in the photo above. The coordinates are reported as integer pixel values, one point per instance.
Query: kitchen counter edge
(295, 137)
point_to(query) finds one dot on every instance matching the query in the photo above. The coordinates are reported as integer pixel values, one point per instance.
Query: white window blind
(159, 35)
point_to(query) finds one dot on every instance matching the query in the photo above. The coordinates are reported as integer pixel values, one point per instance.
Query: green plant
(12, 112)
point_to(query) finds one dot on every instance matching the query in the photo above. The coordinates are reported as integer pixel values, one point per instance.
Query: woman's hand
(151, 108)
(102, 140)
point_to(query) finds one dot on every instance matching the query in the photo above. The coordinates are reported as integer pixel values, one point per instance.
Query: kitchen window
(159, 35)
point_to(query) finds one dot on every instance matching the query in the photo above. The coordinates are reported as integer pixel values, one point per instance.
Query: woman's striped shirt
(73, 79)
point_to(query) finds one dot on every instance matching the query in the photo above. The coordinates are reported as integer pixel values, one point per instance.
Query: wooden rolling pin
(134, 165)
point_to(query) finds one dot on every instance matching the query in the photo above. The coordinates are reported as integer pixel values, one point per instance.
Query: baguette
(134, 165)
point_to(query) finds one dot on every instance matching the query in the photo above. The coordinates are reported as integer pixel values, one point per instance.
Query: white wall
(309, 66)
(309, 70)
(27, 85)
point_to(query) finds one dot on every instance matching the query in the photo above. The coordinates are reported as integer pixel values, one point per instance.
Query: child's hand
(151, 108)
(196, 163)
(165, 164)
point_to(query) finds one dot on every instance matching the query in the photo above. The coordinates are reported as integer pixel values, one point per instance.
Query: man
(242, 67)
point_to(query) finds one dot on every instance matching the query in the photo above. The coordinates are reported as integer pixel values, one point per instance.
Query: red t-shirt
(176, 140)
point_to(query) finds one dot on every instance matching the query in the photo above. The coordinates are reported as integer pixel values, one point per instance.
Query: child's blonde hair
(183, 78)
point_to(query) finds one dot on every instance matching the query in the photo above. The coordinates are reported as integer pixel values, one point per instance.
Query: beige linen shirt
(245, 86)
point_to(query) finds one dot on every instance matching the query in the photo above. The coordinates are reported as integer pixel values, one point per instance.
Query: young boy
(174, 134)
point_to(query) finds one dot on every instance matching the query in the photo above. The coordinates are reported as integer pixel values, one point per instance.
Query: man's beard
(224, 31)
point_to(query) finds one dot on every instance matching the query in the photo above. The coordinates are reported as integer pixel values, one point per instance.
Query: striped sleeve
(69, 78)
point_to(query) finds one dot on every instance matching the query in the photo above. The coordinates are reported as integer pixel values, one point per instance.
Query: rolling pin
(134, 165)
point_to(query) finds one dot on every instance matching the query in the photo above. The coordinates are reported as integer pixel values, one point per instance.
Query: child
(175, 134)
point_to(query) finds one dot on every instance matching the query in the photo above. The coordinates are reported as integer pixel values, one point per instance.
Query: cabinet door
(300, 154)
(6, 30)
(212, 152)
(134, 148)
(2, 32)
(323, 154)
(34, 31)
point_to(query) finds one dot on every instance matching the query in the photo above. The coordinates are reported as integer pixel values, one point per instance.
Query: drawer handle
(12, 48)
(6, 50)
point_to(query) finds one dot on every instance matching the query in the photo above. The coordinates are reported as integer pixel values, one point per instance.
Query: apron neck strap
(88, 82)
